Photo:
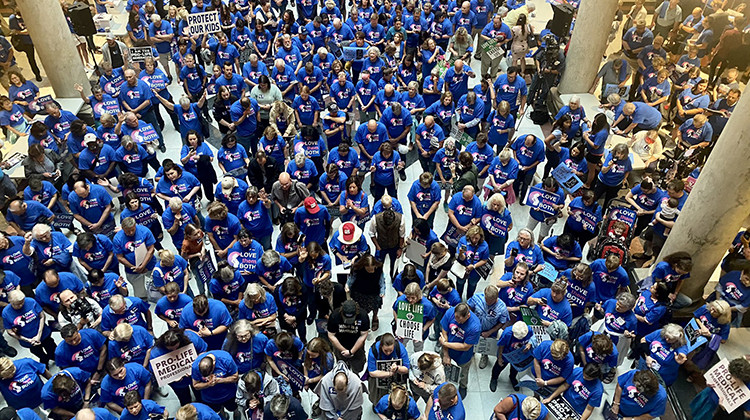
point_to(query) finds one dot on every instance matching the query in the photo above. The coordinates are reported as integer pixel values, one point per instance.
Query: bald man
(289, 195)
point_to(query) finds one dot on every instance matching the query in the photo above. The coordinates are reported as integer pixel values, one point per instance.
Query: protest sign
(566, 178)
(549, 272)
(486, 346)
(690, 183)
(485, 270)
(145, 216)
(732, 392)
(492, 49)
(585, 218)
(354, 53)
(203, 23)
(409, 320)
(296, 378)
(561, 409)
(39, 103)
(140, 54)
(531, 318)
(461, 137)
(206, 270)
(63, 221)
(174, 365)
(451, 235)
(693, 335)
(541, 200)
(452, 373)
(385, 365)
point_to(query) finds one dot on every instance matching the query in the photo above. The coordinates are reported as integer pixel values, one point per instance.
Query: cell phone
(514, 252)
(543, 300)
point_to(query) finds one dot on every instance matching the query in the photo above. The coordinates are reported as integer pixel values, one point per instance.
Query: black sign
(62, 221)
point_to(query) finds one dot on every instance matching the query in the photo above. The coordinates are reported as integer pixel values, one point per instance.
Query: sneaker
(493, 384)
(434, 337)
(484, 361)
(38, 78)
(163, 148)
(402, 175)
(476, 56)
(462, 391)
(209, 119)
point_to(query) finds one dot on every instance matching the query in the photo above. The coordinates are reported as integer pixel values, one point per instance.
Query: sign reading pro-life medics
(204, 23)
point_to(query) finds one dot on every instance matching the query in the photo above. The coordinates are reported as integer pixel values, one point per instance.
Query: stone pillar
(718, 204)
(587, 45)
(55, 45)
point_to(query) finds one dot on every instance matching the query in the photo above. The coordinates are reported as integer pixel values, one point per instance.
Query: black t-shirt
(346, 333)
(116, 56)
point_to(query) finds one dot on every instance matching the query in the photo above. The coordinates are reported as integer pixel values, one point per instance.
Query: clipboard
(140, 254)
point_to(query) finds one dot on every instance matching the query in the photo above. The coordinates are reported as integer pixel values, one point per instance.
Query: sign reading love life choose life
(204, 23)
(409, 320)
(173, 366)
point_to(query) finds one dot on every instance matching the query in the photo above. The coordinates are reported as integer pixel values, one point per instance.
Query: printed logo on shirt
(19, 385)
(636, 396)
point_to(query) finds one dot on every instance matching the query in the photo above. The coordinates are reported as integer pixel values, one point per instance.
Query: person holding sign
(639, 395)
(492, 314)
(561, 251)
(174, 339)
(519, 406)
(387, 362)
(398, 404)
(584, 216)
(460, 332)
(553, 363)
(583, 390)
(551, 304)
(473, 253)
(708, 401)
(413, 296)
(546, 205)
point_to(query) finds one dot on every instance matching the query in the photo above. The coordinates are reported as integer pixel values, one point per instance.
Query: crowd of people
(275, 267)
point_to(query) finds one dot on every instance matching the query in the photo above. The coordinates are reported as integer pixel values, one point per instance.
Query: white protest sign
(409, 320)
(203, 23)
(173, 366)
(140, 54)
(493, 49)
(732, 393)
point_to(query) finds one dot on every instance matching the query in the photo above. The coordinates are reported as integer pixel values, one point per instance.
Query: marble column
(718, 204)
(587, 45)
(54, 43)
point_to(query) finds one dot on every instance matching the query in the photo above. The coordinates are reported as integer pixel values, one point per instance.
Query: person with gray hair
(136, 97)
(284, 407)
(24, 320)
(83, 312)
(619, 318)
(52, 249)
(664, 351)
(255, 391)
(187, 115)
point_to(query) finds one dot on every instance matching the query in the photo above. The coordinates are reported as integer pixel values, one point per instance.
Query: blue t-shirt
(647, 202)
(645, 116)
(592, 357)
(50, 296)
(306, 109)
(583, 218)
(633, 403)
(248, 125)
(608, 283)
(169, 219)
(578, 295)
(135, 310)
(482, 157)
(43, 196)
(223, 231)
(664, 356)
(526, 155)
(531, 255)
(232, 158)
(652, 311)
(467, 332)
(24, 389)
(51, 400)
(694, 135)
(224, 366)
(499, 123)
(452, 298)
(617, 172)
(148, 409)
(234, 198)
(439, 413)
(552, 368)
(248, 356)
(85, 355)
(553, 311)
(172, 310)
(227, 290)
(510, 91)
(464, 210)
(101, 294)
(424, 198)
(175, 273)
(383, 407)
(25, 321)
(618, 322)
(313, 226)
(560, 264)
(126, 245)
(255, 218)
(458, 83)
(35, 213)
(91, 207)
(136, 379)
(133, 350)
(581, 392)
(217, 315)
(489, 316)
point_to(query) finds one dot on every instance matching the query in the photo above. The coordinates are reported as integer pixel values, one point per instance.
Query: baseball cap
(333, 108)
(349, 233)
(227, 184)
(311, 205)
(520, 330)
(302, 30)
(110, 36)
(349, 311)
(89, 138)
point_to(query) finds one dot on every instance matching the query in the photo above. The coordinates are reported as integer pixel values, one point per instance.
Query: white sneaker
(484, 361)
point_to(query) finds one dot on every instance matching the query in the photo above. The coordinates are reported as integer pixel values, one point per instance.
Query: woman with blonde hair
(496, 224)
(170, 267)
(501, 175)
(714, 318)
(24, 371)
(460, 46)
(426, 373)
(397, 404)
(281, 119)
(317, 362)
(131, 343)
(530, 408)
(519, 45)
(473, 253)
